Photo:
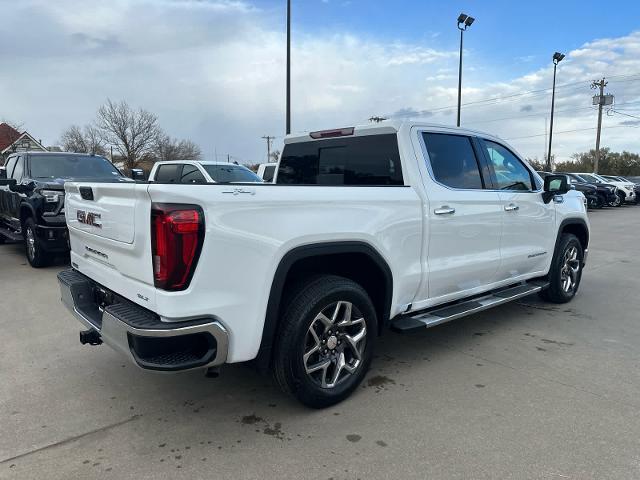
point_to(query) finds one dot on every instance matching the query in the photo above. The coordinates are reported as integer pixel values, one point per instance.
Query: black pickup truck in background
(32, 198)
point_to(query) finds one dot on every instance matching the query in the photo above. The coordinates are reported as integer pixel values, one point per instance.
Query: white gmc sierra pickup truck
(401, 224)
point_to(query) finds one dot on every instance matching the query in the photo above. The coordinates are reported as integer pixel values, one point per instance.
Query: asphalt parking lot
(527, 390)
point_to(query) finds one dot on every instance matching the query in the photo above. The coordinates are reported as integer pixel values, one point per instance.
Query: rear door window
(10, 164)
(18, 171)
(269, 171)
(191, 174)
(453, 160)
(372, 160)
(169, 173)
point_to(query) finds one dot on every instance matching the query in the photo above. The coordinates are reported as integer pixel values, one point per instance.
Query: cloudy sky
(213, 70)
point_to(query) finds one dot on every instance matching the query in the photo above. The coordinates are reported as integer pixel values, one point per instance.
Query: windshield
(231, 174)
(602, 179)
(71, 166)
(591, 178)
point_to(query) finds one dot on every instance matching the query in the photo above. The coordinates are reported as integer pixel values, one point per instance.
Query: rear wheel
(36, 255)
(566, 270)
(325, 343)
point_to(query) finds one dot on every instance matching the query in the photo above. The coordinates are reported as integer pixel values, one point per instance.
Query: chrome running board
(442, 314)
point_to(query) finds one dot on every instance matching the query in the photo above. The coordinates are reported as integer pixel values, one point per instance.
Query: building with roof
(11, 140)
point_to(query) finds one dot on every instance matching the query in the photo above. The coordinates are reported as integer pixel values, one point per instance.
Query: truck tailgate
(109, 232)
(102, 209)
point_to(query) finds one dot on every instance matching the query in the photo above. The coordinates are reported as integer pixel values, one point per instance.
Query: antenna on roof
(377, 119)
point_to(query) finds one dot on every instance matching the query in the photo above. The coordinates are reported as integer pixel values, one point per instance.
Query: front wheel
(618, 201)
(566, 270)
(325, 343)
(36, 255)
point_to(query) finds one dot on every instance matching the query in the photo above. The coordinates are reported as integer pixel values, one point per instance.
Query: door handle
(511, 207)
(445, 210)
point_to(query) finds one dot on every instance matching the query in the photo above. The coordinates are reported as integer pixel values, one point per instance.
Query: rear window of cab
(372, 160)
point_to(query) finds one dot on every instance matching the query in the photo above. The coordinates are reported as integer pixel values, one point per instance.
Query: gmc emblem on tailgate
(89, 218)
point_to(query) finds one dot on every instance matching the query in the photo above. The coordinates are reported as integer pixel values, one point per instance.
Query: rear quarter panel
(247, 234)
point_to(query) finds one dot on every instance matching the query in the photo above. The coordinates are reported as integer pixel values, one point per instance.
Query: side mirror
(554, 185)
(3, 173)
(21, 188)
(138, 174)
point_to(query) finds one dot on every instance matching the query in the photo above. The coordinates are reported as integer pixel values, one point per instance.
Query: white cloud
(214, 71)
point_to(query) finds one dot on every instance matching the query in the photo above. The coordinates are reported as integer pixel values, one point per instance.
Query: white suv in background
(200, 171)
(267, 171)
(626, 188)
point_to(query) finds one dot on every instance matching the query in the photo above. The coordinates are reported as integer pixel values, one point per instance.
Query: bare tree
(83, 140)
(167, 148)
(275, 156)
(19, 126)
(133, 133)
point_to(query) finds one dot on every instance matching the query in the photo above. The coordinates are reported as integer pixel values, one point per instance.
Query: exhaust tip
(90, 337)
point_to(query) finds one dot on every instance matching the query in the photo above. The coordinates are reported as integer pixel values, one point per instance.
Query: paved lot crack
(70, 439)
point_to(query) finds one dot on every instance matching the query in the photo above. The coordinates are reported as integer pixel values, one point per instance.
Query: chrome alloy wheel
(570, 269)
(31, 243)
(334, 344)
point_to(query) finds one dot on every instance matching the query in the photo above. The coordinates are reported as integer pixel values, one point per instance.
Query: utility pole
(269, 140)
(288, 106)
(228, 158)
(601, 102)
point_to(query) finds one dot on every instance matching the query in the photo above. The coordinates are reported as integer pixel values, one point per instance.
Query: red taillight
(177, 233)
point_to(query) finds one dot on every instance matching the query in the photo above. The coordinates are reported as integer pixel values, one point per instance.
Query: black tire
(2, 239)
(36, 255)
(557, 291)
(294, 341)
(600, 203)
(619, 200)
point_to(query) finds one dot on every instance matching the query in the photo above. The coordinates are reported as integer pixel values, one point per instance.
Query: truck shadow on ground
(244, 396)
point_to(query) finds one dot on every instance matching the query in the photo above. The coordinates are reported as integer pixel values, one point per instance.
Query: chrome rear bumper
(140, 334)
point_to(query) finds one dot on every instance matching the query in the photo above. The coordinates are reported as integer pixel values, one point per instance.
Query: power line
(500, 99)
(622, 113)
(544, 113)
(572, 131)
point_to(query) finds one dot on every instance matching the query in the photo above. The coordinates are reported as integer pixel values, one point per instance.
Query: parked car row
(32, 193)
(602, 190)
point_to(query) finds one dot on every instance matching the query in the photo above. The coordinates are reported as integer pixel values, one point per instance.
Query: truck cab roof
(385, 127)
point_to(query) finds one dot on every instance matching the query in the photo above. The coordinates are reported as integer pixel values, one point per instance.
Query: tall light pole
(288, 67)
(464, 21)
(557, 58)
